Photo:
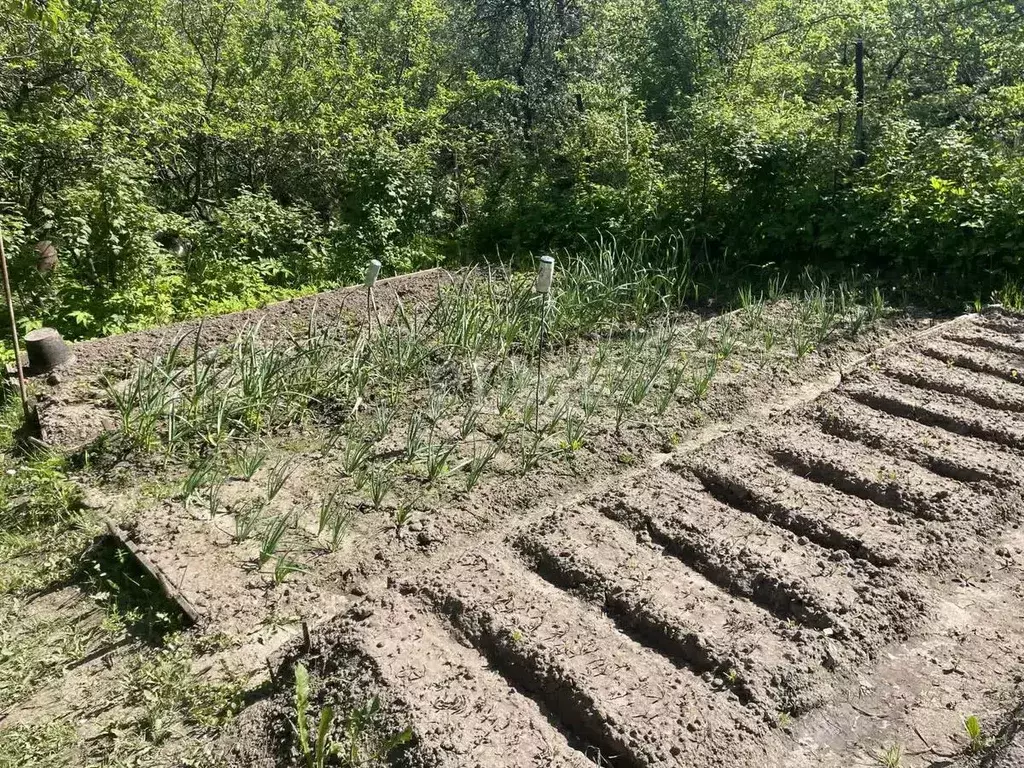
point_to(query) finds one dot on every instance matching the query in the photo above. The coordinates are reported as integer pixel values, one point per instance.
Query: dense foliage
(189, 156)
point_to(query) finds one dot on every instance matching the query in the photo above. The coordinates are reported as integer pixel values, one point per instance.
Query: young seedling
(701, 378)
(382, 418)
(505, 395)
(380, 482)
(530, 451)
(702, 335)
(335, 518)
(550, 388)
(437, 410)
(727, 341)
(469, 419)
(200, 476)
(673, 380)
(404, 512)
(803, 345)
(247, 462)
(892, 757)
(768, 343)
(216, 423)
(313, 755)
(641, 385)
(247, 519)
(174, 427)
(575, 432)
(285, 566)
(550, 424)
(277, 477)
(143, 400)
(529, 421)
(414, 437)
(357, 453)
(597, 366)
(623, 407)
(977, 740)
(213, 496)
(876, 308)
(329, 505)
(330, 443)
(476, 466)
(575, 363)
(360, 721)
(437, 460)
(360, 478)
(272, 536)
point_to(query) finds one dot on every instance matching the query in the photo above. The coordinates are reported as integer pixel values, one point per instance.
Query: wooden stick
(172, 592)
(14, 329)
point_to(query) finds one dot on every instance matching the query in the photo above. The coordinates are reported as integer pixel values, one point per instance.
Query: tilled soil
(829, 568)
(70, 407)
(808, 590)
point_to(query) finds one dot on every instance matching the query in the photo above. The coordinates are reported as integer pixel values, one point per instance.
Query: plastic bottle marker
(372, 270)
(545, 274)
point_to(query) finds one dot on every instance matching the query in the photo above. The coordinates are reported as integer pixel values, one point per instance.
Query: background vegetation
(193, 156)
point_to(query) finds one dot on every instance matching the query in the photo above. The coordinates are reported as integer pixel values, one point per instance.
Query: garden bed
(601, 529)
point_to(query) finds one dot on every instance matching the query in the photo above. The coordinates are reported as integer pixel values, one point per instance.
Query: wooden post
(545, 275)
(370, 280)
(14, 330)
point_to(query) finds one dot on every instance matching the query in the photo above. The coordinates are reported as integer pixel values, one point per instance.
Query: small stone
(54, 379)
(362, 612)
(415, 526)
(92, 499)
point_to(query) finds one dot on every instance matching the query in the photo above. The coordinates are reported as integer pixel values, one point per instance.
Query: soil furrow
(975, 337)
(928, 373)
(957, 457)
(630, 702)
(463, 712)
(950, 412)
(869, 474)
(792, 578)
(749, 481)
(988, 362)
(676, 611)
(1006, 324)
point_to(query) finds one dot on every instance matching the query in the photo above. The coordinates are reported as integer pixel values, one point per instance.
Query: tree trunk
(860, 156)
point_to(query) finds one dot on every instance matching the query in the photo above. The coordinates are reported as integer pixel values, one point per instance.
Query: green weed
(892, 756)
(977, 740)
